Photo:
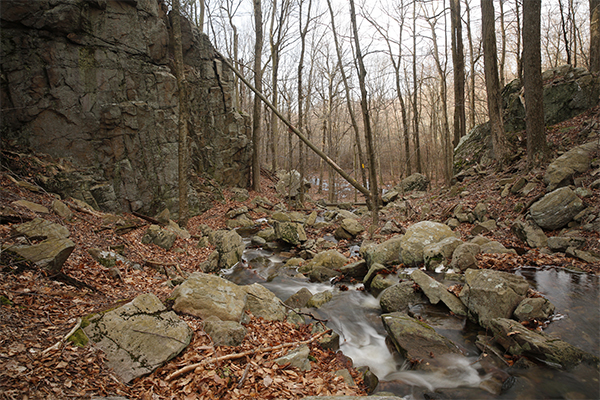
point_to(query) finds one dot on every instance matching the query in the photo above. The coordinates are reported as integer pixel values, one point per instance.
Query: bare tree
(595, 36)
(362, 72)
(492, 83)
(416, 138)
(471, 69)
(458, 60)
(303, 31)
(183, 115)
(532, 76)
(256, 111)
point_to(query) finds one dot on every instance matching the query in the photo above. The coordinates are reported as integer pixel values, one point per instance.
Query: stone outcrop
(54, 249)
(568, 92)
(99, 90)
(139, 337)
(420, 235)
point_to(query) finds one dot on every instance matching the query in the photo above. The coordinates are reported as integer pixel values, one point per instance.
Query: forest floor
(38, 311)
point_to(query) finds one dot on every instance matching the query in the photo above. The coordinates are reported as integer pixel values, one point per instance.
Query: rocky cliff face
(568, 92)
(92, 81)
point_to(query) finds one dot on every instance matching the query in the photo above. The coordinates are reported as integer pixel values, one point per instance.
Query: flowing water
(355, 316)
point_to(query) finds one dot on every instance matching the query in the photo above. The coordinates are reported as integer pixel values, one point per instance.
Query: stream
(355, 316)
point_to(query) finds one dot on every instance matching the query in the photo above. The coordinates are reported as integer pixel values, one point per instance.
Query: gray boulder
(400, 297)
(356, 270)
(490, 294)
(331, 259)
(556, 209)
(562, 243)
(373, 271)
(299, 299)
(297, 358)
(224, 333)
(230, 247)
(322, 274)
(463, 256)
(205, 295)
(529, 233)
(560, 172)
(415, 181)
(494, 247)
(349, 228)
(532, 308)
(518, 340)
(386, 253)
(317, 300)
(441, 252)
(420, 235)
(290, 232)
(436, 292)
(416, 340)
(380, 282)
(54, 249)
(289, 184)
(484, 227)
(138, 337)
(159, 236)
(262, 303)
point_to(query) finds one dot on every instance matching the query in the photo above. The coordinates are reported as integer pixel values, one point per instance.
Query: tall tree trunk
(183, 116)
(274, 44)
(338, 52)
(595, 36)
(532, 76)
(492, 83)
(416, 138)
(458, 59)
(563, 27)
(256, 111)
(364, 105)
(518, 52)
(303, 32)
(471, 69)
(502, 44)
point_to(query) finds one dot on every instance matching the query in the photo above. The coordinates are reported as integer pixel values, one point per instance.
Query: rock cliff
(92, 81)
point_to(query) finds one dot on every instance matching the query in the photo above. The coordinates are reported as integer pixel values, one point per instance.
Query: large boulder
(420, 235)
(400, 297)
(230, 247)
(556, 209)
(560, 172)
(441, 252)
(530, 234)
(417, 341)
(436, 292)
(159, 236)
(415, 181)
(349, 228)
(520, 341)
(289, 185)
(262, 303)
(139, 336)
(290, 232)
(205, 295)
(386, 253)
(463, 256)
(490, 294)
(331, 259)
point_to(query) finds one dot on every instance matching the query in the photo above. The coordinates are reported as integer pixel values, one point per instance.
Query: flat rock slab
(417, 341)
(42, 228)
(436, 292)
(31, 206)
(518, 340)
(139, 337)
(50, 254)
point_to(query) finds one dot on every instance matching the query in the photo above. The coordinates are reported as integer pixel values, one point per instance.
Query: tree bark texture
(532, 83)
(595, 36)
(256, 114)
(458, 60)
(364, 105)
(492, 82)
